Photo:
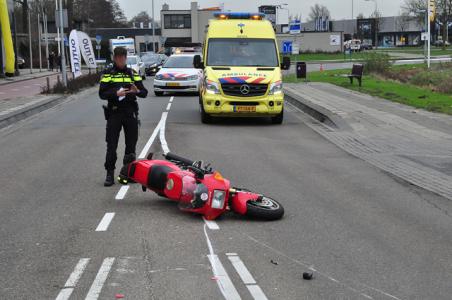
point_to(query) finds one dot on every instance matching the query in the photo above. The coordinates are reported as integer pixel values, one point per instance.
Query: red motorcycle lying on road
(197, 188)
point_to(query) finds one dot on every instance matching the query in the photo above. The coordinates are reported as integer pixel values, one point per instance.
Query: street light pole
(63, 55)
(153, 29)
(58, 29)
(29, 40)
(39, 42)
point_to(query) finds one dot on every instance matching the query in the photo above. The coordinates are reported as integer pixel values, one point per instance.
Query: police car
(178, 75)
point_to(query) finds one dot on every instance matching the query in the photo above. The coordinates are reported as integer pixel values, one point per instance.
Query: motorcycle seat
(157, 177)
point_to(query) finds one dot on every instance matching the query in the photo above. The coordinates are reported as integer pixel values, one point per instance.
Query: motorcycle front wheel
(264, 208)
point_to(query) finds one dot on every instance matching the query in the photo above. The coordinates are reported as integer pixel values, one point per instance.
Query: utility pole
(153, 28)
(58, 29)
(46, 37)
(63, 55)
(428, 40)
(39, 42)
(29, 40)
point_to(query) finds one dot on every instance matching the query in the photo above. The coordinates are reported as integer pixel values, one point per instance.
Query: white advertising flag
(74, 50)
(86, 47)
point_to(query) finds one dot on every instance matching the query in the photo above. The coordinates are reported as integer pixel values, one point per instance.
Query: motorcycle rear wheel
(264, 208)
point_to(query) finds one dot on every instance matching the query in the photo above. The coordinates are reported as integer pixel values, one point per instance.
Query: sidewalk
(26, 75)
(411, 144)
(17, 109)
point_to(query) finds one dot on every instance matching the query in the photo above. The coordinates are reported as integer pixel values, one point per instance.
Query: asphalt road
(366, 234)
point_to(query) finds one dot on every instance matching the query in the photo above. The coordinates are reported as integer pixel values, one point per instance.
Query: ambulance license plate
(243, 108)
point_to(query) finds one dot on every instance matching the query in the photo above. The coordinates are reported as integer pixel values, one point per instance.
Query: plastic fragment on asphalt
(274, 262)
(308, 275)
(214, 278)
(119, 296)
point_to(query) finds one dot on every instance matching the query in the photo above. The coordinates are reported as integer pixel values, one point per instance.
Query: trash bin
(301, 69)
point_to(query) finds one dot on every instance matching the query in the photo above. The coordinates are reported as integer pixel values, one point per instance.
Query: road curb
(29, 111)
(25, 79)
(318, 112)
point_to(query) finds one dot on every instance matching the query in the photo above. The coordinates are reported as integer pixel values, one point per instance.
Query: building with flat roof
(185, 28)
(391, 31)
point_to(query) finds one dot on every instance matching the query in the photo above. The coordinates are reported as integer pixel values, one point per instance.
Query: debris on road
(119, 296)
(274, 262)
(308, 275)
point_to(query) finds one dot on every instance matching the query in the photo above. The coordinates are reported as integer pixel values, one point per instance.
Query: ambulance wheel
(205, 117)
(279, 118)
(158, 94)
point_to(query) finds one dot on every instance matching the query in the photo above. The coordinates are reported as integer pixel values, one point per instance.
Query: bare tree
(403, 21)
(318, 11)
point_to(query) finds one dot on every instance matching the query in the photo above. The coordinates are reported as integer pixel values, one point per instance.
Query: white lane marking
(163, 142)
(168, 107)
(105, 222)
(100, 279)
(231, 254)
(171, 99)
(223, 281)
(71, 282)
(151, 140)
(256, 292)
(65, 294)
(122, 192)
(211, 224)
(242, 270)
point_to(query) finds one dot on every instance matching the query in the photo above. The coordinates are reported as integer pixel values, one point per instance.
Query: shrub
(73, 85)
(378, 63)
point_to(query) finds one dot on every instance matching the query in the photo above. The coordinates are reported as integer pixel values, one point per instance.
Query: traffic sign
(295, 27)
(287, 47)
(66, 42)
(98, 38)
(98, 47)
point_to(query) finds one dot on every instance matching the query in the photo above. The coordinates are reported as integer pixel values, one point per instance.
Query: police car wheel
(158, 94)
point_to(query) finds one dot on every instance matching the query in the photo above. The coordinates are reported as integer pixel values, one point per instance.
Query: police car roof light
(239, 15)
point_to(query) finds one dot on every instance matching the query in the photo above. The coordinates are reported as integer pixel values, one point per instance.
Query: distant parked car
(152, 63)
(353, 45)
(134, 62)
(439, 43)
(20, 62)
(366, 46)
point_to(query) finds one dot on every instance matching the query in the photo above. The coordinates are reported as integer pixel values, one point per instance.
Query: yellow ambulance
(242, 69)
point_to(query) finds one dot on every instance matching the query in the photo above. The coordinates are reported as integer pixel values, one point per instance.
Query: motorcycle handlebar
(171, 156)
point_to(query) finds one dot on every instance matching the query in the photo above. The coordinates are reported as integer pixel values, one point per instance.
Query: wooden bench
(357, 72)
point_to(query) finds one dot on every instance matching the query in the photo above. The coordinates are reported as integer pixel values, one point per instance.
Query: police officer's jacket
(113, 79)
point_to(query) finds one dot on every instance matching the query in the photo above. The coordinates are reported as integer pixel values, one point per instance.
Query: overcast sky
(340, 9)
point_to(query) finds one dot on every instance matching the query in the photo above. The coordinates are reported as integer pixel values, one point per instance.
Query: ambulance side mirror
(197, 63)
(285, 65)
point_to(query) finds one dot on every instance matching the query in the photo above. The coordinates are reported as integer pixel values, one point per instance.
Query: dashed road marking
(224, 282)
(73, 279)
(162, 137)
(255, 291)
(168, 107)
(100, 279)
(105, 222)
(122, 192)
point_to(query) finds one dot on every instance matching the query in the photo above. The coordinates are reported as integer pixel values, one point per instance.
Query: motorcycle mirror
(197, 63)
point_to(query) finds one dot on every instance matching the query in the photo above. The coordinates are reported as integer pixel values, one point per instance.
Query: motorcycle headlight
(192, 77)
(219, 197)
(212, 87)
(276, 88)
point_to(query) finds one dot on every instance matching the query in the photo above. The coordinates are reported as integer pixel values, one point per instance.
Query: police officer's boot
(110, 178)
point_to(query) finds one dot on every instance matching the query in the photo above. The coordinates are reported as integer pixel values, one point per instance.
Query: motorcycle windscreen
(194, 195)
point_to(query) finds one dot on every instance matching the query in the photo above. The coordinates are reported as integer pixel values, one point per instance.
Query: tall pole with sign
(63, 55)
(431, 17)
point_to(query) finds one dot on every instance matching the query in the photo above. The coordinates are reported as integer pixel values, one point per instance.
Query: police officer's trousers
(116, 121)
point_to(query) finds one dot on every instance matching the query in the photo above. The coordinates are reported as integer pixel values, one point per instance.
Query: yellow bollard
(7, 38)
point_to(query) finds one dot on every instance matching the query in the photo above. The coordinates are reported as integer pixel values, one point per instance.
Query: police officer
(120, 86)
